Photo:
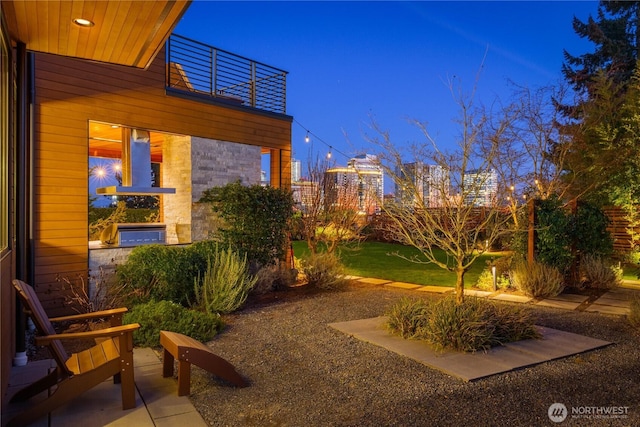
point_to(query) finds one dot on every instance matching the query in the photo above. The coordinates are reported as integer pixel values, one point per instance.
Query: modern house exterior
(71, 94)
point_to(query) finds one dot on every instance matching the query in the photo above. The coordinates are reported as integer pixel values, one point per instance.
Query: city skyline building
(360, 184)
(480, 187)
(430, 183)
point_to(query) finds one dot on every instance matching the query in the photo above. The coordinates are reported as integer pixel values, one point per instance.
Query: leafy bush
(554, 234)
(474, 325)
(537, 280)
(324, 271)
(255, 219)
(155, 316)
(160, 272)
(407, 317)
(595, 273)
(226, 283)
(485, 280)
(634, 312)
(590, 235)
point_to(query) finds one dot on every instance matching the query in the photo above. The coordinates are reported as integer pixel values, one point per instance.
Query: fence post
(531, 240)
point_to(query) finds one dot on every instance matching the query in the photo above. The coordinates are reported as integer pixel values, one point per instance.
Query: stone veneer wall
(102, 264)
(216, 163)
(176, 173)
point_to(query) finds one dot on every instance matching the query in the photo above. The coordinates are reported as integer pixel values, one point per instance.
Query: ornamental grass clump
(324, 271)
(406, 317)
(537, 280)
(474, 325)
(596, 273)
(226, 283)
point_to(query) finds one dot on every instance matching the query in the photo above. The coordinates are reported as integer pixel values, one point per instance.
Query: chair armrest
(98, 333)
(92, 315)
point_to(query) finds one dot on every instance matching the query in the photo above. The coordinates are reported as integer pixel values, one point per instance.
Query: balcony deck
(195, 68)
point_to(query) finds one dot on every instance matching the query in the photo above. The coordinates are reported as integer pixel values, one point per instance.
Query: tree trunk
(459, 285)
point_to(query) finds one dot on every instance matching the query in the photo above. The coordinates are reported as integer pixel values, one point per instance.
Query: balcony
(195, 68)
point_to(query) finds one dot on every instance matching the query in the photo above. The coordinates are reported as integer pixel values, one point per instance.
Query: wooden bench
(187, 351)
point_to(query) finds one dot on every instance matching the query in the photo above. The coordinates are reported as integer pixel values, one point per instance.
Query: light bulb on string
(329, 153)
(306, 138)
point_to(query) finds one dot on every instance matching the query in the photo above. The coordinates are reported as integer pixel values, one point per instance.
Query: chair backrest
(41, 320)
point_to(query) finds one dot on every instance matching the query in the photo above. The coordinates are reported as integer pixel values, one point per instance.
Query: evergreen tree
(598, 123)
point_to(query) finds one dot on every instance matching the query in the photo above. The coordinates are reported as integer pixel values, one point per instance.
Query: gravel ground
(304, 373)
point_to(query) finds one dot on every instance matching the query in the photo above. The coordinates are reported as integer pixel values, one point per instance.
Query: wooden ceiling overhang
(123, 32)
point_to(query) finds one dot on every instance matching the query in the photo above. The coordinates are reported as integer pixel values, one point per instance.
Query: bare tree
(532, 154)
(469, 210)
(330, 207)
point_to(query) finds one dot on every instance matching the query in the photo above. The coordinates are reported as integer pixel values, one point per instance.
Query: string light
(308, 136)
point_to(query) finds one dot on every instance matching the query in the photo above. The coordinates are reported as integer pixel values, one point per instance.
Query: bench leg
(184, 378)
(167, 364)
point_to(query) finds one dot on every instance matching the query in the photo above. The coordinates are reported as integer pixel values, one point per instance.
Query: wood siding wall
(69, 93)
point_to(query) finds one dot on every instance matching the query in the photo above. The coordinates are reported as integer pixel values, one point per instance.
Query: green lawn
(374, 259)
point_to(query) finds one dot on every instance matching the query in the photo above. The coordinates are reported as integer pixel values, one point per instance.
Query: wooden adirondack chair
(79, 372)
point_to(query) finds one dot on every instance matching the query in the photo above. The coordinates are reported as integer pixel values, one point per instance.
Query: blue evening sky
(350, 61)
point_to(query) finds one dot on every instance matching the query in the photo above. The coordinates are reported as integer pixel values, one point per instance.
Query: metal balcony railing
(199, 68)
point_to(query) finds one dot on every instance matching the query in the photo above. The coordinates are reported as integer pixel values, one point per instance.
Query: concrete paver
(402, 285)
(607, 309)
(512, 298)
(478, 294)
(373, 281)
(435, 289)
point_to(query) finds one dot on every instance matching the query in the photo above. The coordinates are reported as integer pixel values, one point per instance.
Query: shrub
(407, 316)
(590, 235)
(634, 312)
(160, 272)
(273, 278)
(255, 219)
(471, 326)
(537, 280)
(155, 316)
(226, 283)
(595, 273)
(554, 234)
(485, 280)
(324, 271)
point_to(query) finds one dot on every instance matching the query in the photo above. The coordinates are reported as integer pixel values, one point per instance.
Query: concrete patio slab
(372, 281)
(435, 289)
(402, 285)
(473, 366)
(512, 298)
(157, 400)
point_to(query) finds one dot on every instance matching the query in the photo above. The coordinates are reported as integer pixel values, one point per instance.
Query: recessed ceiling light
(81, 22)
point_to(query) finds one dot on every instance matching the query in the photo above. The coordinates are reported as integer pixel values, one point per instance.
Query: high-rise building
(359, 185)
(480, 187)
(296, 169)
(430, 183)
